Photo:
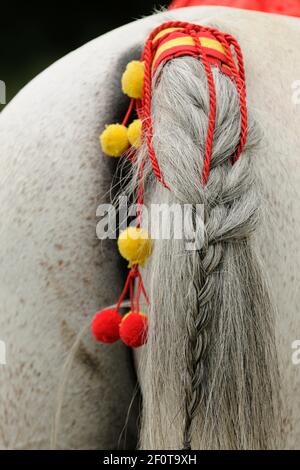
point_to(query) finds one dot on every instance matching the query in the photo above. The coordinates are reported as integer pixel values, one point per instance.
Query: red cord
(143, 106)
(212, 111)
(129, 284)
(147, 122)
(128, 113)
(238, 74)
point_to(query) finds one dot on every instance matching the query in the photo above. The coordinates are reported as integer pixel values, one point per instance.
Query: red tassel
(134, 329)
(108, 325)
(105, 325)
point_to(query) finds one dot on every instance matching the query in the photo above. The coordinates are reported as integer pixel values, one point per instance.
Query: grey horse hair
(209, 372)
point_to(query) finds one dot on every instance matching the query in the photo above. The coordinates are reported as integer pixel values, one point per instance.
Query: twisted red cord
(147, 122)
(133, 273)
(238, 74)
(128, 113)
(212, 105)
(124, 291)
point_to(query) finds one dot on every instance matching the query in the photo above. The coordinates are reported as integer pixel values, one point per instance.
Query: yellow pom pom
(133, 79)
(114, 140)
(135, 245)
(135, 133)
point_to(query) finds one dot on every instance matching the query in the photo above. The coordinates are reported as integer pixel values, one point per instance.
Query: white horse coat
(54, 273)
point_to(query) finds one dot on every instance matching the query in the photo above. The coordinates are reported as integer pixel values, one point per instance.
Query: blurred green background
(34, 36)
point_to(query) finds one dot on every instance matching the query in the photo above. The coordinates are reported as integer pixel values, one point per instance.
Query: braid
(197, 321)
(210, 359)
(223, 226)
(222, 198)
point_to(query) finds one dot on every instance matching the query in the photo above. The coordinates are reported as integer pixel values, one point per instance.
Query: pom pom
(135, 133)
(133, 79)
(135, 245)
(105, 325)
(114, 140)
(134, 329)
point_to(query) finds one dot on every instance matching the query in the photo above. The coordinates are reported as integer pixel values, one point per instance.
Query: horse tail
(210, 370)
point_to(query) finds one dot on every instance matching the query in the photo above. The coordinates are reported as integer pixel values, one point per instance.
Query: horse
(55, 273)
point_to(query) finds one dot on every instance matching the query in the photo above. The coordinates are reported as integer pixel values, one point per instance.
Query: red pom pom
(105, 325)
(134, 329)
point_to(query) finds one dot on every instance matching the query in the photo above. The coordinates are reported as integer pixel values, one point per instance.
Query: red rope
(238, 74)
(124, 291)
(143, 106)
(147, 122)
(129, 285)
(212, 111)
(129, 111)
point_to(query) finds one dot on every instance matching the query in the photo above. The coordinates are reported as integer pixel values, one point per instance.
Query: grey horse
(54, 272)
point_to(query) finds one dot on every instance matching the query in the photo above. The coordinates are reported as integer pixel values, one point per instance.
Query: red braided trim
(238, 74)
(212, 111)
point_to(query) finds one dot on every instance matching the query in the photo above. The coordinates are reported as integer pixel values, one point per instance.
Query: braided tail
(209, 373)
(197, 321)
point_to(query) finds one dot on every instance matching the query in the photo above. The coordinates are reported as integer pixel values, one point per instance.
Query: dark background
(34, 36)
